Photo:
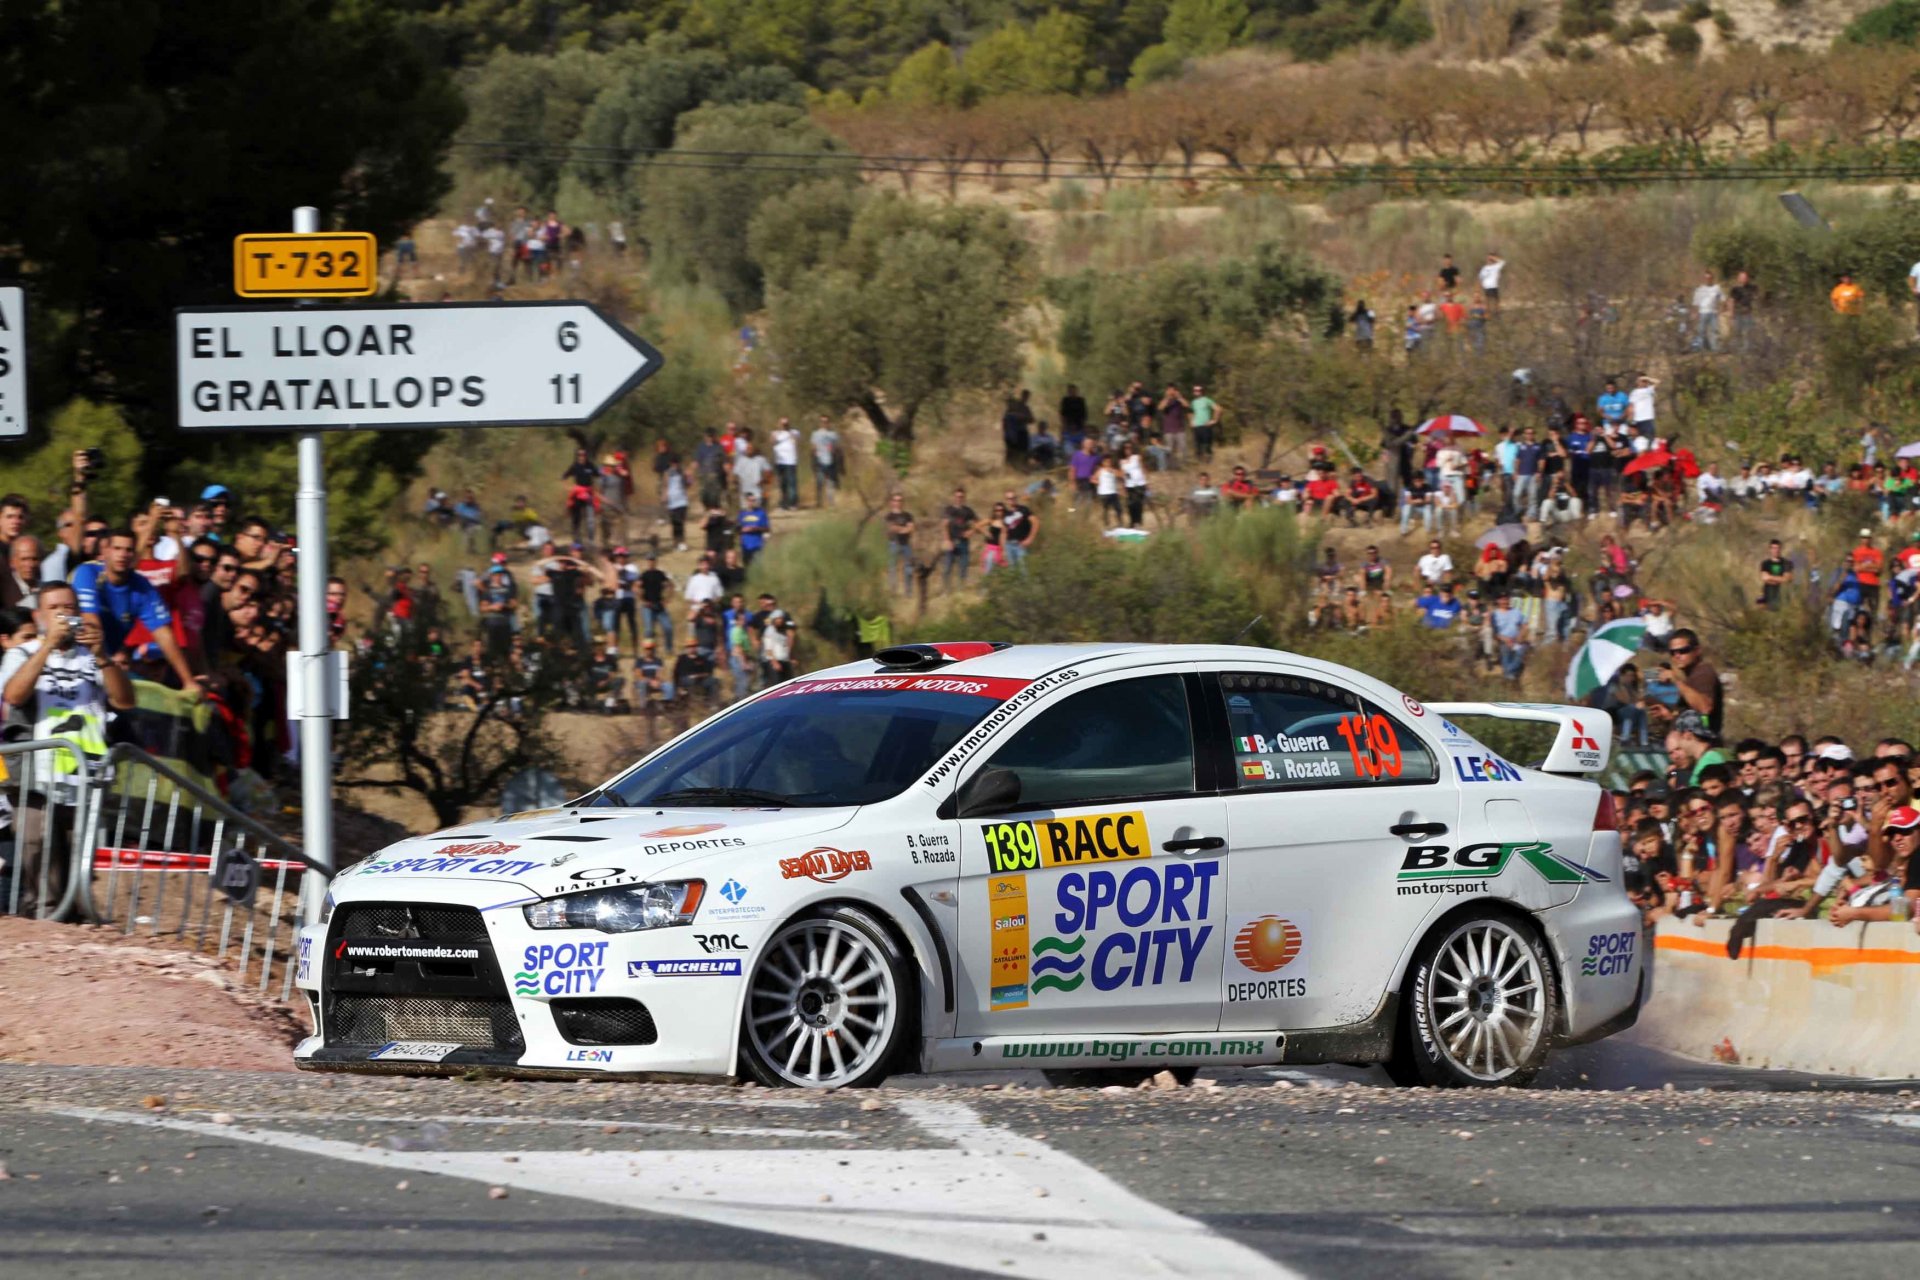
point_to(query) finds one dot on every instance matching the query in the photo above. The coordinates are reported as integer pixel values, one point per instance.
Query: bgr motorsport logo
(1439, 869)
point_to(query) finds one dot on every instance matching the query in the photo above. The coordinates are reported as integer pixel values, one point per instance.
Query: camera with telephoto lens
(92, 459)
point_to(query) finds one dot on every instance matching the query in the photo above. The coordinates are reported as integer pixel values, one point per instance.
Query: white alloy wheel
(1482, 1007)
(823, 1008)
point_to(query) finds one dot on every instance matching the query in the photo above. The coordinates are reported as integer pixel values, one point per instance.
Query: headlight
(622, 910)
(326, 909)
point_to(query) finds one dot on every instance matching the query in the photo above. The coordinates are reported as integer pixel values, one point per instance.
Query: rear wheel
(826, 1006)
(1480, 1008)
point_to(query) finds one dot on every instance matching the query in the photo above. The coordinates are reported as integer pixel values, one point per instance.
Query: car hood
(551, 851)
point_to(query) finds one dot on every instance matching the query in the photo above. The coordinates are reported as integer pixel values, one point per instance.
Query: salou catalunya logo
(1609, 954)
(1477, 862)
(1156, 922)
(1266, 945)
(561, 969)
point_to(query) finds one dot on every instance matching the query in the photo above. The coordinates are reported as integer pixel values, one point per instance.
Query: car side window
(1127, 739)
(1293, 732)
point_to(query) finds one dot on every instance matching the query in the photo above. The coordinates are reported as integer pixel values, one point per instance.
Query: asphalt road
(1622, 1163)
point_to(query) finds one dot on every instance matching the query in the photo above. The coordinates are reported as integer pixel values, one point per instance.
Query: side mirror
(989, 791)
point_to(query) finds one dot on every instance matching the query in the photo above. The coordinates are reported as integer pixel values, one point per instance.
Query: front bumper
(447, 978)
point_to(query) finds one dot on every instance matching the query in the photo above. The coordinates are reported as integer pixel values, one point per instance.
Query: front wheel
(1480, 1009)
(825, 1005)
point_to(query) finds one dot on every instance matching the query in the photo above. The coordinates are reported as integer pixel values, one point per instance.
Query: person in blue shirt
(754, 528)
(1579, 443)
(1510, 636)
(1526, 475)
(1439, 611)
(128, 608)
(1613, 405)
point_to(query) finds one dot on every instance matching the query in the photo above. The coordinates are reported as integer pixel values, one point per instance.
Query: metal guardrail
(196, 869)
(44, 798)
(133, 841)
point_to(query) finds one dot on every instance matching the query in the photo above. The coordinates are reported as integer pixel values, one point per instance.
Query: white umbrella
(1608, 648)
(1502, 536)
(1909, 450)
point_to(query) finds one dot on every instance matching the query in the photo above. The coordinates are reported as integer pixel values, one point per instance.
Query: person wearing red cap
(1898, 836)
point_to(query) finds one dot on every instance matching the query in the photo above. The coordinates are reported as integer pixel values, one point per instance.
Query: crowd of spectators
(631, 635)
(189, 596)
(1795, 829)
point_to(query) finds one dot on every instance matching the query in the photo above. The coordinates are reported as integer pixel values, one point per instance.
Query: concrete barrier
(1803, 995)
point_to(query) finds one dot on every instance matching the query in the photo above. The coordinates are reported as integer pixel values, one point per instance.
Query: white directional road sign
(478, 364)
(13, 361)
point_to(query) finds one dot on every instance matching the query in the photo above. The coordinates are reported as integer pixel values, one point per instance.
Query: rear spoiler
(1581, 745)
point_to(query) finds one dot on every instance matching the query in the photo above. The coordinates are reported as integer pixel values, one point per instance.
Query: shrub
(1582, 18)
(1696, 11)
(1683, 41)
(1633, 32)
(1896, 22)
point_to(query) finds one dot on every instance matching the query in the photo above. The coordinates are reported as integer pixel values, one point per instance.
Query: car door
(1331, 796)
(1094, 901)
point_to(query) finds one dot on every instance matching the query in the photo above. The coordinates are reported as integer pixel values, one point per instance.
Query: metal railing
(184, 863)
(47, 827)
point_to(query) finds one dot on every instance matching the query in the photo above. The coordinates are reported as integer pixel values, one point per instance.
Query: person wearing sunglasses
(1795, 862)
(1697, 680)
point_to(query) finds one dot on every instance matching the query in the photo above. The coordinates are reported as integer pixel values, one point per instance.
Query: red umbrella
(1453, 423)
(1648, 461)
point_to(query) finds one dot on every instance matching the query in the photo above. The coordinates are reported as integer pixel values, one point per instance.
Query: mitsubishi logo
(1581, 742)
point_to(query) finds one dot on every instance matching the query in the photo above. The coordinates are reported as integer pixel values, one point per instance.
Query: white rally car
(1085, 858)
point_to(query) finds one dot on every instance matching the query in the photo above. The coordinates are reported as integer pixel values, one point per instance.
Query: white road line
(994, 1201)
(638, 1126)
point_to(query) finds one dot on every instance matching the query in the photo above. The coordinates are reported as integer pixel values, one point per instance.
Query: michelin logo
(706, 968)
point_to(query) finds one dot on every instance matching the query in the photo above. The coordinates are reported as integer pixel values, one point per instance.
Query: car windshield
(813, 744)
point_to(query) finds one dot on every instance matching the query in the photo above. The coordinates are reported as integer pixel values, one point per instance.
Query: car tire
(1126, 1077)
(829, 1003)
(1480, 1008)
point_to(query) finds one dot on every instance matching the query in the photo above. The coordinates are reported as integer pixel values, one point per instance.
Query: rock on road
(1623, 1163)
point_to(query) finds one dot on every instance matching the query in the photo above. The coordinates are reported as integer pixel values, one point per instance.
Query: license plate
(413, 1051)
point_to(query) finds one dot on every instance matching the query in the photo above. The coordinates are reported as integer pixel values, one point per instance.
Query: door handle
(1196, 845)
(1419, 829)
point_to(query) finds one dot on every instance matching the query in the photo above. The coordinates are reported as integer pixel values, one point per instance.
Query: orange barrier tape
(1820, 958)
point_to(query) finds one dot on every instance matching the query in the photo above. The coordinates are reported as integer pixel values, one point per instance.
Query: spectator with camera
(62, 684)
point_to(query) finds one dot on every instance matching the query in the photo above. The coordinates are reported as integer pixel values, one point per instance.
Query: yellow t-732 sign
(327, 264)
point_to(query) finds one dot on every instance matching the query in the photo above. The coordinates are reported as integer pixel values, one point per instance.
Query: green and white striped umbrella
(1607, 649)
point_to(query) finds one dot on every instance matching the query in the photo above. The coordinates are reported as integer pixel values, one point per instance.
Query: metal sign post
(316, 646)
